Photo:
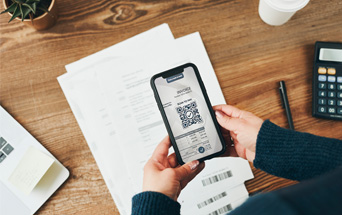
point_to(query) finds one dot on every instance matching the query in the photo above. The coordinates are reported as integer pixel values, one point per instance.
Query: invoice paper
(114, 106)
(130, 99)
(133, 46)
(89, 107)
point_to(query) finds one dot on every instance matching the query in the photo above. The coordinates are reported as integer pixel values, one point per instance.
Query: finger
(172, 160)
(186, 170)
(229, 110)
(192, 175)
(233, 135)
(227, 122)
(162, 149)
(240, 150)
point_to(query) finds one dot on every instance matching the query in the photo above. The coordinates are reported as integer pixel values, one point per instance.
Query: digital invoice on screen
(187, 113)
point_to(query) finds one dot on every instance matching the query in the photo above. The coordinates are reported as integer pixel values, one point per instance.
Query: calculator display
(334, 55)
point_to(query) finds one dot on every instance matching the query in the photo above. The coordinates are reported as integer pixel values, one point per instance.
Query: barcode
(217, 178)
(222, 210)
(211, 200)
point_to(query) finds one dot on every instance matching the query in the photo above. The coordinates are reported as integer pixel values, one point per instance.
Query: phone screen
(188, 115)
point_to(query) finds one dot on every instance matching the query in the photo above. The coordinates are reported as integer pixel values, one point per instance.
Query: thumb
(229, 123)
(187, 169)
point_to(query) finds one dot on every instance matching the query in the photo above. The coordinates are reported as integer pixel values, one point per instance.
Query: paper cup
(278, 12)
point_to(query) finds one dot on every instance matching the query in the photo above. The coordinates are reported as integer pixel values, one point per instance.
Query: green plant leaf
(18, 1)
(16, 13)
(26, 11)
(32, 1)
(21, 13)
(29, 7)
(10, 9)
(34, 6)
(43, 8)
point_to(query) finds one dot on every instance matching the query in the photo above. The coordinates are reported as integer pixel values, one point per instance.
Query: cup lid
(287, 5)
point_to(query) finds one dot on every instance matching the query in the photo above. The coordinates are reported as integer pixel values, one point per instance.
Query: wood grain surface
(249, 57)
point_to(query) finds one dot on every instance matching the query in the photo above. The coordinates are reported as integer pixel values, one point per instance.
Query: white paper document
(110, 95)
(89, 107)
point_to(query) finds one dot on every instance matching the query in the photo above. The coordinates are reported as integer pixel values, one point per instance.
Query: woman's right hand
(243, 128)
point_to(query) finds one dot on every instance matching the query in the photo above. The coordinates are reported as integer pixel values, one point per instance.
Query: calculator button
(339, 110)
(2, 142)
(339, 103)
(339, 79)
(322, 109)
(322, 70)
(323, 85)
(339, 95)
(8, 149)
(331, 94)
(331, 102)
(331, 110)
(322, 101)
(322, 93)
(339, 87)
(331, 86)
(322, 78)
(2, 156)
(331, 78)
(331, 71)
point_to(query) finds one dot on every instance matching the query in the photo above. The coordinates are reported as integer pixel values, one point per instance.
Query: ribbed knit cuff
(266, 146)
(276, 152)
(154, 203)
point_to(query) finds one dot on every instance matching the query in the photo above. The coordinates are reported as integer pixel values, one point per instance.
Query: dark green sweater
(314, 160)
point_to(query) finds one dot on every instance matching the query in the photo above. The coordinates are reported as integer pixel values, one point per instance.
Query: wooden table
(249, 57)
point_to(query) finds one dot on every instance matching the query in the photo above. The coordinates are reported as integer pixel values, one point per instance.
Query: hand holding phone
(188, 114)
(242, 127)
(162, 173)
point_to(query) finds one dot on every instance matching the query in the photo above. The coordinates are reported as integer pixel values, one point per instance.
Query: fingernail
(194, 164)
(218, 114)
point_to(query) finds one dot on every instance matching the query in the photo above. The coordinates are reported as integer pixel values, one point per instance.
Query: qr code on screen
(189, 114)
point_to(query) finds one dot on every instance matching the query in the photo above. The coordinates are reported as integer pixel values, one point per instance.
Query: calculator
(327, 81)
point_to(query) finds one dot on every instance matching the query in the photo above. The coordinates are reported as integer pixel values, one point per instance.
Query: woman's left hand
(163, 174)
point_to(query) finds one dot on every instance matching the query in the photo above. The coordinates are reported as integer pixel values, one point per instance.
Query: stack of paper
(110, 96)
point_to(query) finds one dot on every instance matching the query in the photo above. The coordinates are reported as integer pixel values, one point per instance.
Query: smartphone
(187, 114)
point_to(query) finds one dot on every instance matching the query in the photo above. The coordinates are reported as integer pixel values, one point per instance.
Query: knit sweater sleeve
(154, 203)
(320, 195)
(295, 155)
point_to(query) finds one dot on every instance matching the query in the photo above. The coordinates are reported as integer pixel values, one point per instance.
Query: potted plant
(40, 14)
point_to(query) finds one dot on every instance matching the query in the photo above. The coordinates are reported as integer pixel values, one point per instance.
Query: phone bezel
(175, 71)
